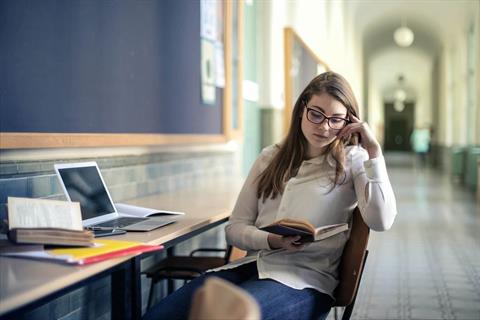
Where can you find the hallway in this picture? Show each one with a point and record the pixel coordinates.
(428, 265)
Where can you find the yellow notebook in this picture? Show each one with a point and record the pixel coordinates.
(104, 249)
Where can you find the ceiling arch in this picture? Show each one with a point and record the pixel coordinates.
(379, 36)
(434, 22)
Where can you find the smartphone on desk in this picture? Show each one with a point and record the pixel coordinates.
(109, 232)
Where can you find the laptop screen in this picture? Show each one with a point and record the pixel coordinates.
(84, 185)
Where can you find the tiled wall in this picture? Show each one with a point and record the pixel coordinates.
(127, 177)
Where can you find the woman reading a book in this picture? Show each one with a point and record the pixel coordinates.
(329, 163)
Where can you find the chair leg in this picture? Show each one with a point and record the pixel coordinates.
(170, 286)
(347, 313)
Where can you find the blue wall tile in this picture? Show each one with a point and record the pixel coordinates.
(15, 187)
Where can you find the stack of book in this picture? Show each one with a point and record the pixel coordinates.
(59, 223)
(49, 222)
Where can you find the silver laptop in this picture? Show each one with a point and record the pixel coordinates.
(83, 182)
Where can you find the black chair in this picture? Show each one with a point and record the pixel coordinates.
(352, 264)
(187, 267)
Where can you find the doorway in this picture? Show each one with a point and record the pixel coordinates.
(398, 126)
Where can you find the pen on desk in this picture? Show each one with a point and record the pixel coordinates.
(101, 228)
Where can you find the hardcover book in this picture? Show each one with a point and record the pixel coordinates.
(303, 228)
(51, 236)
(49, 222)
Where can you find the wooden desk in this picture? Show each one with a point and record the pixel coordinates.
(27, 284)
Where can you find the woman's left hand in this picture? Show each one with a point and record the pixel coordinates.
(368, 140)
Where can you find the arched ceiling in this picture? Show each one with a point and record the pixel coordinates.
(378, 36)
(434, 22)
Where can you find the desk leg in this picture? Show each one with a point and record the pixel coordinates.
(170, 283)
(126, 291)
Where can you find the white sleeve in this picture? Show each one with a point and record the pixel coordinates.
(241, 231)
(376, 200)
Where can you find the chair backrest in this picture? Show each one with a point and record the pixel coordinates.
(218, 299)
(351, 265)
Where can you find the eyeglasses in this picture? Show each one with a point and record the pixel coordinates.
(317, 117)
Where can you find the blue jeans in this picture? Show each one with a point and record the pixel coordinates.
(276, 300)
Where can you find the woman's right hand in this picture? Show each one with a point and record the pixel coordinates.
(288, 243)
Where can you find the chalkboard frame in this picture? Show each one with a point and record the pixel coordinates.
(292, 79)
(34, 140)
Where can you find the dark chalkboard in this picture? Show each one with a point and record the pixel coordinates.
(94, 66)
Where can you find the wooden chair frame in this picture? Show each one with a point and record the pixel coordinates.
(353, 261)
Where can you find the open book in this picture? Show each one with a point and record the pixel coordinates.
(303, 228)
(143, 211)
(46, 222)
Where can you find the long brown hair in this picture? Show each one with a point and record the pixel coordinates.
(293, 150)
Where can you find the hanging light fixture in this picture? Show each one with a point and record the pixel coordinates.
(403, 35)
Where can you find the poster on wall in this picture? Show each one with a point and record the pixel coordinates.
(208, 20)
(208, 72)
(212, 49)
(219, 65)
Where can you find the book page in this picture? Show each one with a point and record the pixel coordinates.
(142, 211)
(330, 230)
(41, 213)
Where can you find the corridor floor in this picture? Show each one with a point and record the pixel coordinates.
(428, 265)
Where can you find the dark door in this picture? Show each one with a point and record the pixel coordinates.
(398, 127)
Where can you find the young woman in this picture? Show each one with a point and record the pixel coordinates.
(329, 163)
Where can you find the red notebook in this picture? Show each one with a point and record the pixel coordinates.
(120, 253)
(103, 250)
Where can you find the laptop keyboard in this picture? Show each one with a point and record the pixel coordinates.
(120, 222)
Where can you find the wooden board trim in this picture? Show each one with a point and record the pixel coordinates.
(33, 140)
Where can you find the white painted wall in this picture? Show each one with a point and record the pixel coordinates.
(376, 111)
(444, 127)
(459, 93)
(328, 29)
(453, 101)
(274, 15)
